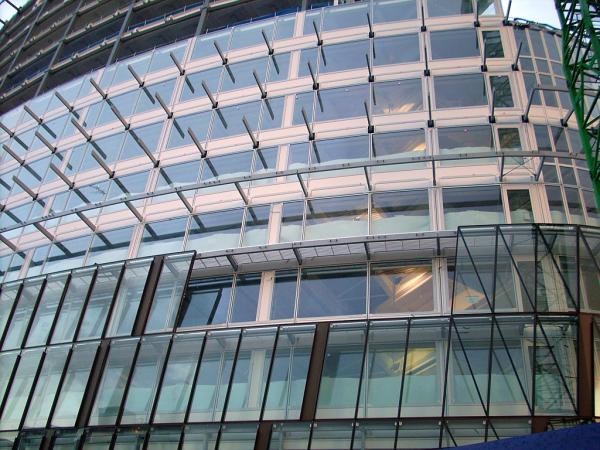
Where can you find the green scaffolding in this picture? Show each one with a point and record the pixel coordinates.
(580, 20)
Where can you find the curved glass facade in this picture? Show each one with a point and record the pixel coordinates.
(353, 226)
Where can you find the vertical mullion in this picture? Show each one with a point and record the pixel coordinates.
(148, 294)
(161, 379)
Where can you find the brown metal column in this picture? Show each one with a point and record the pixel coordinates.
(148, 296)
(315, 369)
(585, 367)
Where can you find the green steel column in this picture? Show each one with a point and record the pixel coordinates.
(581, 61)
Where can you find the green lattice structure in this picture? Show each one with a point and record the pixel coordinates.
(580, 20)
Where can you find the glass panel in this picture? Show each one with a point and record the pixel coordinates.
(555, 202)
(472, 206)
(237, 436)
(575, 205)
(418, 434)
(101, 298)
(227, 166)
(179, 135)
(22, 313)
(206, 302)
(110, 246)
(97, 440)
(200, 437)
(284, 294)
(30, 440)
(165, 236)
(504, 98)
(340, 380)
(380, 435)
(251, 374)
(164, 438)
(145, 379)
(112, 385)
(340, 103)
(456, 91)
(18, 393)
(291, 222)
(344, 288)
(46, 310)
(247, 290)
(177, 383)
(493, 44)
(395, 49)
(393, 97)
(192, 88)
(46, 387)
(214, 376)
(346, 56)
(215, 231)
(227, 121)
(422, 385)
(72, 305)
(129, 296)
(394, 10)
(288, 375)
(336, 217)
(240, 75)
(519, 204)
(67, 440)
(74, 384)
(293, 436)
(256, 226)
(168, 293)
(344, 17)
(400, 212)
(7, 363)
(130, 439)
(406, 288)
(383, 366)
(331, 435)
(437, 8)
(454, 44)
(8, 294)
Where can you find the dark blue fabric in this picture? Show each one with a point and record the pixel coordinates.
(582, 437)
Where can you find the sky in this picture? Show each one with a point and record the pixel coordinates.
(542, 11)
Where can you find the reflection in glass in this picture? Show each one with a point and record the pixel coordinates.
(8, 294)
(215, 231)
(108, 246)
(291, 222)
(200, 437)
(519, 204)
(22, 313)
(74, 384)
(400, 212)
(402, 289)
(245, 303)
(165, 236)
(336, 217)
(437, 8)
(460, 43)
(283, 298)
(206, 302)
(164, 438)
(456, 91)
(256, 225)
(472, 206)
(7, 363)
(394, 97)
(396, 49)
(46, 310)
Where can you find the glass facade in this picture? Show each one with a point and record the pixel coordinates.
(295, 225)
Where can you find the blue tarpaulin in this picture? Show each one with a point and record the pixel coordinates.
(582, 437)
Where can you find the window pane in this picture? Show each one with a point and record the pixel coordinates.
(239, 75)
(164, 438)
(467, 139)
(97, 440)
(381, 435)
(396, 49)
(167, 296)
(340, 103)
(503, 98)
(402, 289)
(493, 44)
(393, 97)
(165, 236)
(290, 435)
(382, 373)
(400, 212)
(213, 377)
(72, 305)
(454, 44)
(74, 384)
(22, 314)
(345, 16)
(289, 372)
(519, 203)
(179, 375)
(394, 10)
(336, 217)
(284, 294)
(19, 390)
(340, 379)
(344, 288)
(145, 378)
(215, 231)
(291, 222)
(200, 437)
(110, 246)
(46, 386)
(129, 297)
(555, 202)
(247, 289)
(250, 375)
(437, 8)
(46, 310)
(350, 55)
(227, 166)
(256, 226)
(472, 206)
(192, 87)
(455, 91)
(237, 436)
(100, 300)
(130, 439)
(206, 302)
(227, 121)
(7, 363)
(575, 205)
(112, 385)
(8, 294)
(179, 135)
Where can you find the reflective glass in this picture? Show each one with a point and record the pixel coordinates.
(555, 202)
(503, 92)
(74, 384)
(206, 302)
(493, 44)
(72, 305)
(240, 75)
(456, 91)
(178, 174)
(328, 434)
(519, 203)
(290, 435)
(237, 436)
(284, 294)
(177, 383)
(22, 313)
(46, 386)
(197, 122)
(192, 87)
(97, 440)
(400, 212)
(394, 10)
(101, 298)
(472, 206)
(205, 45)
(30, 440)
(340, 103)
(288, 374)
(454, 43)
(406, 288)
(346, 56)
(168, 293)
(8, 294)
(215, 231)
(247, 290)
(250, 34)
(16, 399)
(256, 226)
(394, 97)
(148, 100)
(227, 166)
(67, 440)
(128, 298)
(165, 236)
(130, 439)
(345, 17)
(228, 121)
(437, 8)
(67, 254)
(113, 381)
(200, 437)
(396, 49)
(344, 288)
(108, 246)
(380, 435)
(214, 376)
(144, 380)
(464, 140)
(164, 438)
(336, 217)
(340, 380)
(291, 222)
(7, 364)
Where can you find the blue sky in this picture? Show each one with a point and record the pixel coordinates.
(542, 11)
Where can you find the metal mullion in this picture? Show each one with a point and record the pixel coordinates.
(161, 378)
(578, 269)
(362, 372)
(269, 373)
(32, 389)
(230, 385)
(11, 314)
(147, 296)
(59, 387)
(59, 307)
(34, 311)
(100, 361)
(85, 304)
(128, 383)
(114, 300)
(187, 282)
